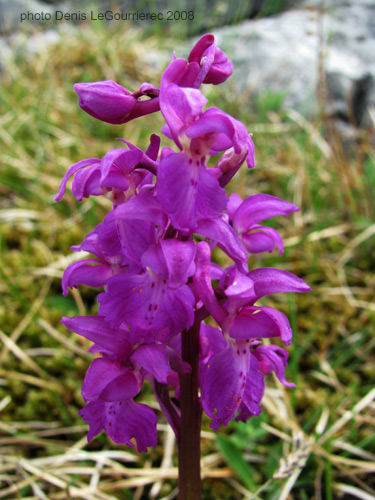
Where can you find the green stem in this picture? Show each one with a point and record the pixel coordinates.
(189, 479)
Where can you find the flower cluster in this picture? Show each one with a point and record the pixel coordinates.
(152, 253)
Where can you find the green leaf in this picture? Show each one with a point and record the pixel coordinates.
(235, 460)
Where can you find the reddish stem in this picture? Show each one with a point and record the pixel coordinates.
(191, 418)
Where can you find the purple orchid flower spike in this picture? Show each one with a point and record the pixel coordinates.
(154, 257)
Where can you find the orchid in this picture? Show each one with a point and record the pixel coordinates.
(153, 256)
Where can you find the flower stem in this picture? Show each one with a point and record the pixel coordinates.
(189, 480)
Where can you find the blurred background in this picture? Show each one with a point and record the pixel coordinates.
(303, 83)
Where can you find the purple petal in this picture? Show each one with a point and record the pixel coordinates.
(71, 171)
(240, 290)
(122, 421)
(141, 221)
(228, 132)
(259, 322)
(234, 203)
(116, 164)
(188, 191)
(153, 149)
(176, 186)
(110, 381)
(220, 70)
(108, 238)
(228, 165)
(202, 282)
(173, 260)
(268, 280)
(155, 359)
(86, 183)
(262, 239)
(95, 328)
(259, 207)
(224, 236)
(215, 66)
(254, 388)
(181, 106)
(94, 414)
(147, 305)
(79, 273)
(212, 341)
(179, 72)
(223, 383)
(203, 53)
(214, 121)
(273, 358)
(211, 197)
(105, 100)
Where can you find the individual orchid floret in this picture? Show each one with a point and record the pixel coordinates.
(110, 102)
(231, 378)
(228, 165)
(113, 380)
(222, 132)
(200, 133)
(273, 358)
(245, 216)
(215, 67)
(104, 243)
(186, 188)
(84, 273)
(119, 170)
(247, 321)
(243, 324)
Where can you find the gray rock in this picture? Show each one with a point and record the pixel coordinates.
(10, 13)
(286, 53)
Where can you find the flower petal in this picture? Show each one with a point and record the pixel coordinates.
(96, 329)
(259, 207)
(173, 260)
(108, 380)
(188, 191)
(122, 421)
(105, 100)
(268, 280)
(223, 384)
(224, 236)
(262, 239)
(79, 273)
(71, 171)
(273, 358)
(203, 285)
(259, 322)
(146, 303)
(254, 389)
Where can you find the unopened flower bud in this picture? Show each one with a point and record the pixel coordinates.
(215, 65)
(105, 100)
